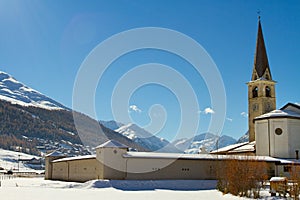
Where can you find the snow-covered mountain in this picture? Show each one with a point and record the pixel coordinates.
(113, 125)
(30, 119)
(16, 92)
(244, 138)
(146, 139)
(205, 142)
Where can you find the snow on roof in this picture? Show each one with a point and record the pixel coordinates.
(197, 156)
(75, 158)
(245, 148)
(279, 113)
(112, 144)
(288, 110)
(289, 161)
(175, 156)
(276, 179)
(55, 153)
(229, 147)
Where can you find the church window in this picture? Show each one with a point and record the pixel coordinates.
(268, 91)
(278, 131)
(255, 92)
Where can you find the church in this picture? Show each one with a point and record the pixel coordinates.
(274, 138)
(272, 132)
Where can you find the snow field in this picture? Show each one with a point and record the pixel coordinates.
(40, 189)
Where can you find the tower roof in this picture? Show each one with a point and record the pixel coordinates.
(55, 153)
(112, 144)
(261, 63)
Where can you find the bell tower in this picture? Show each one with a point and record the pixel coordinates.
(261, 88)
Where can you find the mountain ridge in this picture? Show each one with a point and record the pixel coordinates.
(204, 142)
(146, 139)
(16, 92)
(29, 119)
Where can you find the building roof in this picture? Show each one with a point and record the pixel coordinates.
(261, 63)
(291, 106)
(197, 156)
(249, 147)
(55, 153)
(175, 156)
(75, 158)
(290, 110)
(243, 147)
(228, 148)
(112, 144)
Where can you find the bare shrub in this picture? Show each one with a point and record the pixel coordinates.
(294, 181)
(242, 176)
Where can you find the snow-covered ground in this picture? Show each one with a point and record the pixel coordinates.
(9, 160)
(40, 189)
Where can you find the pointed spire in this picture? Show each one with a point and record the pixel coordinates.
(261, 63)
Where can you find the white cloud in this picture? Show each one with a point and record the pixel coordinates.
(134, 108)
(229, 119)
(244, 114)
(209, 111)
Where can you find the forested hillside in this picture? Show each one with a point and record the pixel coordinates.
(29, 127)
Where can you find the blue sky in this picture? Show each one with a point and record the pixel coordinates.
(43, 44)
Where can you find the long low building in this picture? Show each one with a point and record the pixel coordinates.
(114, 161)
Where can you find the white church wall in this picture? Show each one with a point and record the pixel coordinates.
(294, 138)
(262, 138)
(279, 142)
(277, 137)
(270, 143)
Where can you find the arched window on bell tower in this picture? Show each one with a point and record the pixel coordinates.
(268, 91)
(255, 92)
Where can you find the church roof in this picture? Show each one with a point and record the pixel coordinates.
(290, 110)
(291, 106)
(261, 63)
(244, 147)
(249, 147)
(112, 144)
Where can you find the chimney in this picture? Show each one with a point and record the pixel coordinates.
(297, 154)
